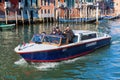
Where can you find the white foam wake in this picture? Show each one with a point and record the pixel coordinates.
(45, 66)
(21, 62)
(115, 42)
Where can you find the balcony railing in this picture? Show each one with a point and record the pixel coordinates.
(34, 5)
(62, 4)
(77, 5)
(7, 5)
(21, 5)
(90, 3)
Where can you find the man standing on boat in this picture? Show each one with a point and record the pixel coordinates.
(69, 34)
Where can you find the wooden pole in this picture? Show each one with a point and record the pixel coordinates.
(6, 17)
(97, 6)
(76, 15)
(28, 16)
(69, 13)
(16, 17)
(86, 13)
(22, 16)
(80, 15)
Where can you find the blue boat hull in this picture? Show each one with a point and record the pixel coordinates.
(64, 53)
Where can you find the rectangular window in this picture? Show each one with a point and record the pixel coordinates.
(19, 0)
(45, 2)
(26, 3)
(41, 2)
(6, 0)
(0, 1)
(45, 11)
(48, 2)
(20, 12)
(48, 11)
(54, 2)
(42, 11)
(36, 2)
(26, 12)
(31, 2)
(89, 36)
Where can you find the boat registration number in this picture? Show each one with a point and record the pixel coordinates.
(91, 44)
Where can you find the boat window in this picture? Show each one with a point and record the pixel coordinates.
(88, 36)
(52, 39)
(100, 34)
(37, 38)
(75, 39)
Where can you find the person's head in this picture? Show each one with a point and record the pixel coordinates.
(57, 29)
(54, 32)
(43, 33)
(67, 28)
(54, 29)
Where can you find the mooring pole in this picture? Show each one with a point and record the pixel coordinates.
(22, 16)
(16, 17)
(97, 6)
(28, 16)
(6, 17)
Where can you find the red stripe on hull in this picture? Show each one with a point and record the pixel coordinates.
(62, 59)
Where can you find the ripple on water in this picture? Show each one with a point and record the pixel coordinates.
(21, 62)
(115, 42)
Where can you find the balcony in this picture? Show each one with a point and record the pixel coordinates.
(90, 3)
(34, 5)
(77, 5)
(21, 5)
(63, 5)
(7, 5)
(59, 4)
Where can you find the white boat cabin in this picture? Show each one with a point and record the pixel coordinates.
(61, 40)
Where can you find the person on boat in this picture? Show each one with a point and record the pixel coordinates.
(43, 33)
(53, 32)
(58, 32)
(68, 33)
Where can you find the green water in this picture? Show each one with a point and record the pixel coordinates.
(103, 64)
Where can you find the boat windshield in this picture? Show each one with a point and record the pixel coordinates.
(37, 38)
(54, 39)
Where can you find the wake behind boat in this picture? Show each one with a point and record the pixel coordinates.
(52, 48)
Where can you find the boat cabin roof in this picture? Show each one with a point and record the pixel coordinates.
(83, 32)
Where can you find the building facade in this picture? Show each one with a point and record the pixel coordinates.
(10, 6)
(47, 8)
(76, 8)
(54, 9)
(116, 4)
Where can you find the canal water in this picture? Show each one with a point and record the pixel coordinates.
(102, 64)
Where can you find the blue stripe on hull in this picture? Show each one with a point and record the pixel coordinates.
(64, 54)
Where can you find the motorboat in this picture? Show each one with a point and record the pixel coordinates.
(54, 48)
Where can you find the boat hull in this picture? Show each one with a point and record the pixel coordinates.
(65, 53)
(7, 26)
